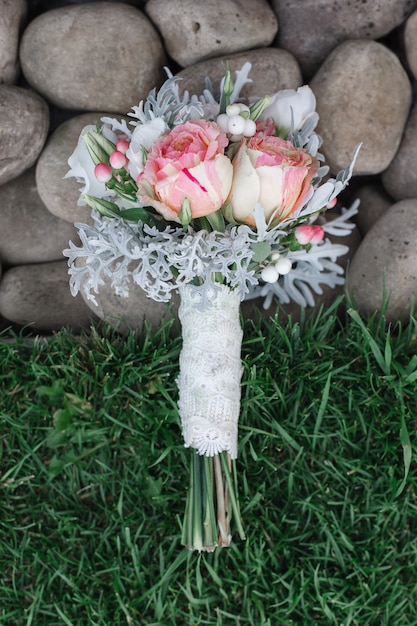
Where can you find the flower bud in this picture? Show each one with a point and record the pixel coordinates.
(122, 146)
(117, 160)
(332, 203)
(103, 172)
(228, 85)
(257, 108)
(308, 234)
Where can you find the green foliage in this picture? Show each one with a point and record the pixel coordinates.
(93, 481)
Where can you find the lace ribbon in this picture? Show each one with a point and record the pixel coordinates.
(210, 372)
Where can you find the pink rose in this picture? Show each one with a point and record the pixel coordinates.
(270, 171)
(308, 234)
(187, 163)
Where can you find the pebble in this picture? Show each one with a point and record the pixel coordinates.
(351, 89)
(400, 178)
(272, 69)
(131, 312)
(374, 201)
(11, 19)
(28, 232)
(38, 294)
(387, 256)
(60, 195)
(410, 43)
(195, 31)
(111, 52)
(24, 123)
(310, 30)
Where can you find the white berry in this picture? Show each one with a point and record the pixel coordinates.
(232, 109)
(283, 265)
(250, 128)
(236, 125)
(269, 274)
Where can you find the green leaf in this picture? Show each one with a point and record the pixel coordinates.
(322, 408)
(137, 214)
(216, 221)
(104, 207)
(261, 251)
(228, 213)
(63, 418)
(384, 364)
(54, 392)
(407, 453)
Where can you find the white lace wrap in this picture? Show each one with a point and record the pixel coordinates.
(210, 372)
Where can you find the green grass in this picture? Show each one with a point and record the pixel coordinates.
(94, 475)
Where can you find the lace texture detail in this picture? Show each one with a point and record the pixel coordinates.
(210, 371)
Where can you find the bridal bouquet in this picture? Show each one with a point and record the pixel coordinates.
(219, 199)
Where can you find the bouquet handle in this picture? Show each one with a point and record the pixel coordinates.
(209, 406)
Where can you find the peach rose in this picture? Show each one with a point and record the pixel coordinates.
(188, 163)
(270, 171)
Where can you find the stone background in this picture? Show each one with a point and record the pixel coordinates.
(63, 64)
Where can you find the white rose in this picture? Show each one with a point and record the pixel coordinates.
(290, 104)
(143, 137)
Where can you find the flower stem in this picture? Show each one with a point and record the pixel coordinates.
(211, 503)
(222, 513)
(228, 465)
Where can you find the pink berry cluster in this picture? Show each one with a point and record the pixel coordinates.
(114, 171)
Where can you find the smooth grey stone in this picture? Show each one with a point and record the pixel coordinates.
(24, 124)
(400, 178)
(272, 70)
(93, 57)
(132, 312)
(410, 43)
(386, 264)
(351, 89)
(12, 14)
(195, 31)
(374, 201)
(59, 194)
(39, 295)
(28, 231)
(311, 29)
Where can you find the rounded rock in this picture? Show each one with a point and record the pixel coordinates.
(92, 57)
(132, 312)
(351, 89)
(311, 29)
(272, 70)
(12, 14)
(386, 260)
(410, 43)
(194, 31)
(38, 295)
(28, 232)
(400, 180)
(24, 124)
(60, 195)
(374, 202)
